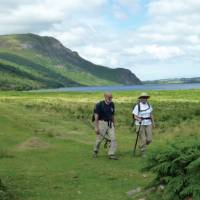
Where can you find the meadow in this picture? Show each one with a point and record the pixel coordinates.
(46, 142)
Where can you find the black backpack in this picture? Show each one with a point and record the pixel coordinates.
(102, 106)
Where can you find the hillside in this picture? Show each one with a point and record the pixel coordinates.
(29, 61)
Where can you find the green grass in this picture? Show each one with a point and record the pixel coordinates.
(46, 142)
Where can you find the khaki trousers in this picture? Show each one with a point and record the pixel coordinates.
(106, 132)
(145, 136)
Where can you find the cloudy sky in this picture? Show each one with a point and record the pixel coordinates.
(155, 39)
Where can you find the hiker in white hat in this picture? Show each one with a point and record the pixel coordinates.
(142, 113)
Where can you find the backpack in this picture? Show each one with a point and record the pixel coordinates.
(94, 109)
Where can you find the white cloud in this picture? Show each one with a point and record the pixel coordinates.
(24, 15)
(155, 51)
(177, 7)
(163, 52)
(40, 15)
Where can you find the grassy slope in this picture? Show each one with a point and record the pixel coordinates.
(65, 169)
(63, 54)
(45, 73)
(43, 59)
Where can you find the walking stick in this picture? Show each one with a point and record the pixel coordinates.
(138, 132)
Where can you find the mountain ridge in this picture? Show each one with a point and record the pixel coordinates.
(49, 61)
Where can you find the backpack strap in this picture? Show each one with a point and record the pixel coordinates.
(136, 104)
(145, 109)
(138, 107)
(100, 103)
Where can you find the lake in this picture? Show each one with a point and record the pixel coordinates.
(124, 88)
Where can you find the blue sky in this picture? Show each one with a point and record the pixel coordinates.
(155, 39)
(125, 17)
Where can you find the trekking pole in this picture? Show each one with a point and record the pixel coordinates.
(138, 132)
(106, 139)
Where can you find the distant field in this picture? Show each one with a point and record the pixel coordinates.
(46, 142)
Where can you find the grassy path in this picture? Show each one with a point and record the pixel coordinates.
(46, 144)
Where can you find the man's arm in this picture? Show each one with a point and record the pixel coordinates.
(96, 123)
(113, 120)
(152, 120)
(136, 114)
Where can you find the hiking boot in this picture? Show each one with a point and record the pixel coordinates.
(113, 157)
(148, 142)
(95, 154)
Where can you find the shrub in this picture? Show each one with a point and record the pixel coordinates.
(177, 167)
(4, 195)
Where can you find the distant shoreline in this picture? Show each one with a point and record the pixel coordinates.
(172, 86)
(174, 81)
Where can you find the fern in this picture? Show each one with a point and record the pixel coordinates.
(177, 166)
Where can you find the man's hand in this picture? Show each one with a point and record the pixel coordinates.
(97, 130)
(140, 120)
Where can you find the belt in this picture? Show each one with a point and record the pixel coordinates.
(143, 118)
